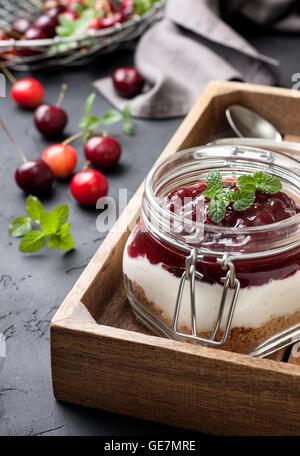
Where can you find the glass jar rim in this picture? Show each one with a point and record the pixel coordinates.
(226, 153)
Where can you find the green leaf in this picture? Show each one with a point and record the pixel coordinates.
(246, 181)
(19, 227)
(64, 230)
(243, 199)
(214, 181)
(268, 184)
(127, 111)
(32, 242)
(49, 223)
(128, 128)
(217, 210)
(62, 213)
(89, 104)
(66, 242)
(209, 194)
(111, 116)
(34, 207)
(54, 241)
(226, 194)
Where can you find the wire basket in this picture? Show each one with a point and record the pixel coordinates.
(66, 51)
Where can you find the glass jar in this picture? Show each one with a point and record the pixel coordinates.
(215, 285)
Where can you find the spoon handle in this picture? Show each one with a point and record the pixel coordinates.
(292, 148)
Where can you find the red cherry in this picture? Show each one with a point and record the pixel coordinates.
(88, 186)
(50, 120)
(62, 159)
(69, 2)
(102, 152)
(33, 33)
(128, 82)
(117, 18)
(55, 11)
(27, 92)
(34, 177)
(127, 7)
(47, 24)
(71, 15)
(20, 25)
(95, 24)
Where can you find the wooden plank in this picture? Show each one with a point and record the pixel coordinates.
(206, 390)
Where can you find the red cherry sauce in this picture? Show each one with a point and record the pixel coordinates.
(267, 209)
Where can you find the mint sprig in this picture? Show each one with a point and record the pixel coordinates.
(54, 227)
(91, 123)
(242, 199)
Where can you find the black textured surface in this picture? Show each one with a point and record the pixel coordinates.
(32, 287)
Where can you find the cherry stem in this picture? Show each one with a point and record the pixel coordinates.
(37, 4)
(16, 146)
(86, 165)
(72, 138)
(61, 96)
(107, 9)
(12, 33)
(8, 74)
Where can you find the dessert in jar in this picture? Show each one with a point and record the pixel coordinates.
(216, 256)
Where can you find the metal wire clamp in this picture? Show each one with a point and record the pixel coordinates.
(190, 274)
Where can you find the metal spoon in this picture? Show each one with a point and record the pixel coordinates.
(247, 124)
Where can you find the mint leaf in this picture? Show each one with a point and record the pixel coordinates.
(19, 227)
(128, 128)
(226, 194)
(246, 182)
(54, 241)
(49, 223)
(127, 112)
(34, 207)
(66, 242)
(64, 230)
(214, 181)
(243, 199)
(111, 116)
(209, 194)
(89, 104)
(216, 210)
(266, 183)
(62, 213)
(32, 242)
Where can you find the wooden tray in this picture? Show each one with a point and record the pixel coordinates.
(103, 358)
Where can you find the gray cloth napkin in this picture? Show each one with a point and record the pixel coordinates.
(192, 45)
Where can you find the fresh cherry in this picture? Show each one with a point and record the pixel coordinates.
(116, 18)
(71, 15)
(32, 33)
(34, 177)
(55, 11)
(102, 151)
(128, 82)
(62, 159)
(20, 25)
(47, 24)
(51, 120)
(95, 24)
(27, 92)
(88, 186)
(127, 7)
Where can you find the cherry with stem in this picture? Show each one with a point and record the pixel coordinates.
(32, 176)
(51, 120)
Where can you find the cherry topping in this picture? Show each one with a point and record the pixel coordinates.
(34, 177)
(128, 82)
(47, 24)
(88, 186)
(102, 152)
(20, 25)
(27, 92)
(62, 159)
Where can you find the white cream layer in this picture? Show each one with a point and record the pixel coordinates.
(255, 306)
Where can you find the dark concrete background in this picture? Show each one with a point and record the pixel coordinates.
(32, 287)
